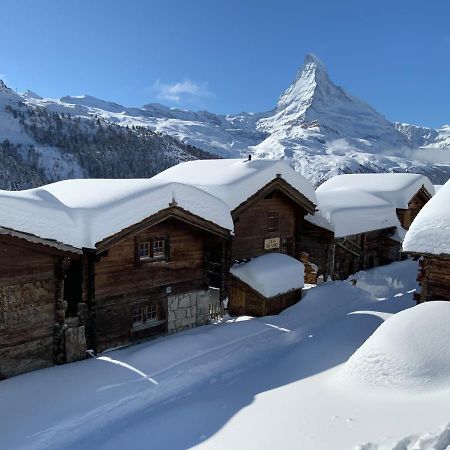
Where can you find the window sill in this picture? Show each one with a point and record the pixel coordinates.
(158, 258)
(146, 325)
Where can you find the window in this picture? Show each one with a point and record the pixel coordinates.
(152, 249)
(159, 250)
(272, 222)
(144, 250)
(145, 315)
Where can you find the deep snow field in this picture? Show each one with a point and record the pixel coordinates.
(279, 382)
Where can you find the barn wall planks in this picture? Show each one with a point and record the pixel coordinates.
(434, 279)
(27, 309)
(246, 301)
(251, 227)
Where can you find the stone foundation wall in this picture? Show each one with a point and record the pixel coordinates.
(190, 309)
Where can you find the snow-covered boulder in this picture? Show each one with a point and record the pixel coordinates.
(411, 350)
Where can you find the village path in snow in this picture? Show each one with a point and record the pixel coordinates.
(266, 383)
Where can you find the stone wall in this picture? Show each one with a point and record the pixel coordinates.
(190, 309)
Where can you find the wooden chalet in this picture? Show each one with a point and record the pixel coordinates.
(361, 221)
(153, 278)
(108, 262)
(428, 240)
(268, 202)
(266, 285)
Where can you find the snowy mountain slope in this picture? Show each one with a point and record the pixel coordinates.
(45, 140)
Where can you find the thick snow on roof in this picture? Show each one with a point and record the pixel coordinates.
(235, 180)
(409, 350)
(271, 274)
(395, 188)
(430, 231)
(81, 213)
(357, 203)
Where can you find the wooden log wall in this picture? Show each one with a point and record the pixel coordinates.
(317, 243)
(246, 301)
(251, 226)
(417, 202)
(434, 279)
(28, 290)
(121, 283)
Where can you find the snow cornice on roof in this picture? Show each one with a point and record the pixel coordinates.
(358, 203)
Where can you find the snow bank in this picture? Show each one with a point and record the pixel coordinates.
(235, 180)
(271, 274)
(356, 203)
(411, 350)
(430, 231)
(81, 213)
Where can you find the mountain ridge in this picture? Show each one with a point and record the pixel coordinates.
(316, 126)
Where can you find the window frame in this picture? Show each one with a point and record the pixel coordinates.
(150, 243)
(273, 216)
(148, 315)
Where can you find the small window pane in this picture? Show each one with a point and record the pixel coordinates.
(159, 248)
(144, 250)
(272, 222)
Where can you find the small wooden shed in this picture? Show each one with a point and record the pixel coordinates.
(266, 285)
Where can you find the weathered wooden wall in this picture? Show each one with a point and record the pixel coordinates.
(317, 242)
(246, 301)
(121, 284)
(251, 227)
(417, 202)
(434, 279)
(27, 308)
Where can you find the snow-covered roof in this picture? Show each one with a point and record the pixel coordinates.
(235, 180)
(357, 203)
(81, 213)
(271, 274)
(430, 230)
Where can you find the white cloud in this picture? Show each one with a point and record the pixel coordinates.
(185, 90)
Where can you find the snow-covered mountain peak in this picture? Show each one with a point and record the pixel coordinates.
(311, 75)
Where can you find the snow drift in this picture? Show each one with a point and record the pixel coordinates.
(411, 350)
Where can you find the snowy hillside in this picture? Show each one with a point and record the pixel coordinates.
(319, 128)
(43, 141)
(276, 382)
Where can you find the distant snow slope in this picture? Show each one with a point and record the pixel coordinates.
(319, 128)
(44, 140)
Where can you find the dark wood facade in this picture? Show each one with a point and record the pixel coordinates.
(246, 301)
(338, 258)
(33, 323)
(417, 202)
(433, 278)
(128, 286)
(272, 220)
(269, 221)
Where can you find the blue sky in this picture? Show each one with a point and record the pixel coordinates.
(230, 56)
